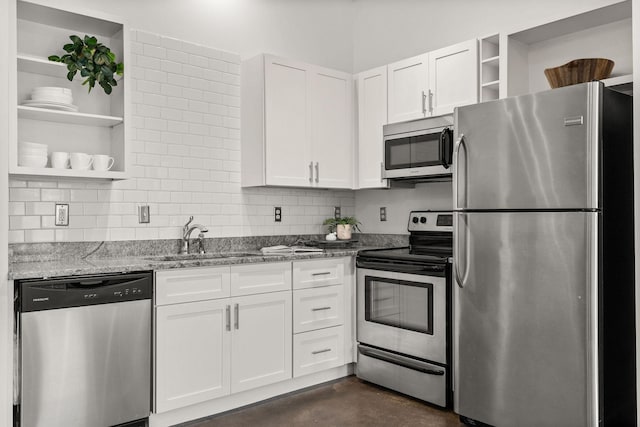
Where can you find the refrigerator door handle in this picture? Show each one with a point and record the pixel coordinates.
(456, 170)
(457, 259)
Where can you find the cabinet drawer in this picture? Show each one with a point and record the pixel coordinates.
(251, 279)
(318, 350)
(324, 272)
(318, 308)
(191, 284)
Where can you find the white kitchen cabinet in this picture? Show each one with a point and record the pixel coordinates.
(322, 314)
(372, 115)
(296, 124)
(433, 83)
(453, 77)
(101, 124)
(192, 353)
(331, 141)
(209, 344)
(261, 341)
(408, 88)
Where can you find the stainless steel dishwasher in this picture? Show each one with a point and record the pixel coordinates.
(84, 350)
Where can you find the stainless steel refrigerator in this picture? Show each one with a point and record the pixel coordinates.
(543, 260)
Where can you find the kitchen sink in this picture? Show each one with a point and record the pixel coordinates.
(196, 257)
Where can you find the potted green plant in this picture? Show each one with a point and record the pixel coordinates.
(343, 226)
(94, 60)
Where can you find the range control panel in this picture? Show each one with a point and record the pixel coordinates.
(430, 221)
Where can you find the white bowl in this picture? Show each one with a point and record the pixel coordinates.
(65, 99)
(37, 146)
(31, 151)
(32, 161)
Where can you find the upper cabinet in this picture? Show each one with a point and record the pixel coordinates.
(296, 124)
(600, 33)
(433, 83)
(372, 115)
(93, 123)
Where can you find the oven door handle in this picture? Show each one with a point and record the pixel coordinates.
(400, 268)
(405, 362)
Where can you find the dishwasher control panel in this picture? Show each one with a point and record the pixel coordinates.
(77, 291)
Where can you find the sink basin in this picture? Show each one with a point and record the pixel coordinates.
(196, 257)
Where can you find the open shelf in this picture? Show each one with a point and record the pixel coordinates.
(494, 84)
(492, 60)
(34, 113)
(67, 173)
(38, 65)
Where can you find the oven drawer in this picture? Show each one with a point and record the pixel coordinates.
(412, 377)
(314, 273)
(318, 350)
(317, 308)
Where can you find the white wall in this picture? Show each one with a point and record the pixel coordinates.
(386, 31)
(315, 31)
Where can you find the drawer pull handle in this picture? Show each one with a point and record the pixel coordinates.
(320, 308)
(321, 351)
(324, 273)
(228, 317)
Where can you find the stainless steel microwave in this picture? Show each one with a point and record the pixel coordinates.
(418, 149)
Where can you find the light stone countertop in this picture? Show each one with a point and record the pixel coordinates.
(98, 265)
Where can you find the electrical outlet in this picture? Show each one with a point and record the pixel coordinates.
(62, 214)
(336, 212)
(277, 214)
(383, 213)
(143, 214)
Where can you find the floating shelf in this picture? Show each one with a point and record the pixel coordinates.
(67, 173)
(493, 84)
(58, 116)
(38, 65)
(491, 60)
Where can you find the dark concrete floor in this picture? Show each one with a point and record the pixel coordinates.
(343, 403)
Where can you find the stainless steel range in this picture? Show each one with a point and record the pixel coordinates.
(404, 311)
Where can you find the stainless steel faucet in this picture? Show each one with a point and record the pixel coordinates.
(186, 233)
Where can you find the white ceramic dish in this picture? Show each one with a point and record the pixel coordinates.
(32, 161)
(51, 105)
(31, 151)
(51, 89)
(64, 99)
(36, 145)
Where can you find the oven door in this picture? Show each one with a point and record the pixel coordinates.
(404, 313)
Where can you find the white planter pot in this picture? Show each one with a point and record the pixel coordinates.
(344, 231)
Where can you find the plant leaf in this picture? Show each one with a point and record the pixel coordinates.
(106, 71)
(75, 39)
(54, 58)
(70, 75)
(68, 47)
(120, 68)
(90, 41)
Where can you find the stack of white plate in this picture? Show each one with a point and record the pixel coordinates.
(59, 98)
(32, 155)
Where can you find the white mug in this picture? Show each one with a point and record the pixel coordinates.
(60, 160)
(102, 162)
(81, 161)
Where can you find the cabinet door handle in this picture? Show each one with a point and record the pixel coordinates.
(324, 273)
(317, 172)
(310, 172)
(228, 317)
(381, 171)
(430, 101)
(236, 311)
(325, 350)
(424, 103)
(320, 308)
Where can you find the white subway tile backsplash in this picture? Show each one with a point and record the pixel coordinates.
(185, 161)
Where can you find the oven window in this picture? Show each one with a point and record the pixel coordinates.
(399, 303)
(425, 150)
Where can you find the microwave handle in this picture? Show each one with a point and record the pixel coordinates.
(446, 147)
